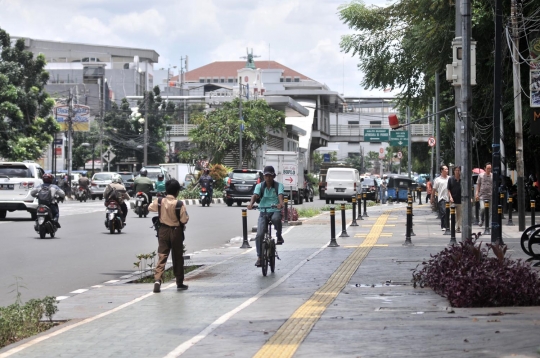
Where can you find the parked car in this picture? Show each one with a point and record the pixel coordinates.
(17, 179)
(341, 184)
(370, 188)
(99, 182)
(127, 179)
(240, 185)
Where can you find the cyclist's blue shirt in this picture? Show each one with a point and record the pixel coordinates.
(270, 196)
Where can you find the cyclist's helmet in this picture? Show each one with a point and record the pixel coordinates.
(117, 180)
(47, 178)
(160, 177)
(144, 172)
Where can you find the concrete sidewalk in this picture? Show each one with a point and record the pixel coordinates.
(355, 300)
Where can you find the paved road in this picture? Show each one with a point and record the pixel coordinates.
(84, 254)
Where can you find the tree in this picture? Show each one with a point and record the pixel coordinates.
(218, 131)
(26, 124)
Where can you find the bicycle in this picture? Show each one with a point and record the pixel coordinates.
(268, 245)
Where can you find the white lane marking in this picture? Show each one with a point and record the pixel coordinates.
(81, 290)
(182, 348)
(112, 281)
(60, 298)
(67, 328)
(97, 286)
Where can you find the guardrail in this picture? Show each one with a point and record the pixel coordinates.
(180, 129)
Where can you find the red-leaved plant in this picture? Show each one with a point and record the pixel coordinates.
(292, 213)
(468, 277)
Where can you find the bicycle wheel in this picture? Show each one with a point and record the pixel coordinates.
(272, 255)
(534, 244)
(525, 238)
(264, 257)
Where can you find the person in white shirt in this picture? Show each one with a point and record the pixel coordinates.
(441, 186)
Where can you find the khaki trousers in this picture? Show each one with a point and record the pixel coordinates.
(170, 239)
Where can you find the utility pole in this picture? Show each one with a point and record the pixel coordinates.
(466, 105)
(70, 137)
(432, 171)
(240, 117)
(458, 125)
(145, 144)
(101, 104)
(409, 145)
(437, 124)
(517, 111)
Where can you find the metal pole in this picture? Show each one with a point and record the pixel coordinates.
(487, 230)
(518, 125)
(365, 199)
(333, 242)
(437, 124)
(145, 149)
(245, 242)
(447, 218)
(70, 137)
(343, 222)
(466, 105)
(359, 200)
(533, 209)
(409, 145)
(240, 117)
(286, 202)
(408, 229)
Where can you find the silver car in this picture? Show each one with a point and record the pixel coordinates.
(99, 182)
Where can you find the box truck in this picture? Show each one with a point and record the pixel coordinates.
(183, 172)
(289, 167)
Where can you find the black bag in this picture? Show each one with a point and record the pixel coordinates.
(262, 187)
(45, 196)
(113, 195)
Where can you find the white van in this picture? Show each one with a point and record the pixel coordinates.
(341, 184)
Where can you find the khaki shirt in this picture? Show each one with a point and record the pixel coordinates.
(168, 212)
(120, 189)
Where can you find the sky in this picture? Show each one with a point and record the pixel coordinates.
(301, 34)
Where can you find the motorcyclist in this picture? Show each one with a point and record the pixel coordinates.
(117, 184)
(144, 184)
(206, 181)
(84, 182)
(56, 193)
(160, 183)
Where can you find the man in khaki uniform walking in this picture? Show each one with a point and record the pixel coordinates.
(172, 218)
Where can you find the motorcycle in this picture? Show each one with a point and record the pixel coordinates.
(309, 193)
(45, 222)
(141, 204)
(204, 195)
(113, 217)
(80, 194)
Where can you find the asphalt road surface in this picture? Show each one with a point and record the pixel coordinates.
(83, 253)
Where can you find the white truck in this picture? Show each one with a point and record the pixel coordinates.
(289, 167)
(183, 172)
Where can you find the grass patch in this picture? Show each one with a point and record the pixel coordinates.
(168, 275)
(308, 212)
(348, 206)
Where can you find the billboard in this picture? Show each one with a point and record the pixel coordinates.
(534, 72)
(80, 117)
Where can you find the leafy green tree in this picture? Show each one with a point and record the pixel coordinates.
(26, 124)
(218, 132)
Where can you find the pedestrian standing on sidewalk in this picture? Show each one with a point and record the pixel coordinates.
(383, 186)
(441, 186)
(484, 186)
(454, 194)
(173, 218)
(429, 189)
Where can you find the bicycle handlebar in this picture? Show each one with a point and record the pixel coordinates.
(273, 206)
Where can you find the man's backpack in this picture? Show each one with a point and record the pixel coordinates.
(263, 186)
(113, 195)
(156, 223)
(45, 196)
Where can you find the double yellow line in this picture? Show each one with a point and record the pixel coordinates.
(293, 332)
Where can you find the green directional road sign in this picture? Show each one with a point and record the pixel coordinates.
(376, 135)
(400, 138)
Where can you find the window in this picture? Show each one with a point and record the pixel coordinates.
(222, 80)
(281, 79)
(287, 79)
(216, 80)
(375, 124)
(297, 79)
(230, 80)
(208, 80)
(354, 122)
(201, 80)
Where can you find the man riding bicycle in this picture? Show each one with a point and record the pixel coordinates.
(270, 193)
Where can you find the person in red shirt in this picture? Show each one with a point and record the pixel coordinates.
(429, 189)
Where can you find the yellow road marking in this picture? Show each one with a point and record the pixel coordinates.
(362, 245)
(292, 333)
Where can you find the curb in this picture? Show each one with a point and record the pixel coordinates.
(198, 202)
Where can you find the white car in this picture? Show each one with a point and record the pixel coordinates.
(17, 179)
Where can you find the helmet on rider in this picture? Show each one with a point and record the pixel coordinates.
(160, 177)
(47, 178)
(206, 171)
(143, 172)
(117, 180)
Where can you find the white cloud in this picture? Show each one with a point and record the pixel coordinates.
(302, 34)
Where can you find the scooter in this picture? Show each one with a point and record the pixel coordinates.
(113, 217)
(204, 194)
(141, 204)
(45, 222)
(309, 193)
(80, 194)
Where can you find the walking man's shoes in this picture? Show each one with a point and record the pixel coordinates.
(181, 287)
(157, 287)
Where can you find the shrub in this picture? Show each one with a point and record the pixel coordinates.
(191, 192)
(292, 213)
(308, 212)
(467, 277)
(337, 207)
